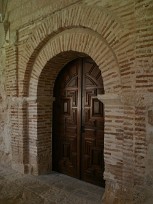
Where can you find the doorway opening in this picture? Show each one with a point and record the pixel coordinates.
(78, 122)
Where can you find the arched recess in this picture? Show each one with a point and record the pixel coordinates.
(58, 51)
(77, 16)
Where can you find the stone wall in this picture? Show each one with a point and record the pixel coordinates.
(5, 123)
(39, 37)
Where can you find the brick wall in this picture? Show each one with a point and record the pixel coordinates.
(118, 35)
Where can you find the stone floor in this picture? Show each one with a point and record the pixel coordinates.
(55, 188)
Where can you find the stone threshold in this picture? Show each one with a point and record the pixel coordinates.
(54, 188)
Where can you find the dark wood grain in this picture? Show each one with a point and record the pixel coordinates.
(78, 122)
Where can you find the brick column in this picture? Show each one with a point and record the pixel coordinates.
(113, 142)
(31, 140)
(40, 135)
(32, 166)
(19, 133)
(128, 146)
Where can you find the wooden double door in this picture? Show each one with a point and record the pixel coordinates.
(78, 122)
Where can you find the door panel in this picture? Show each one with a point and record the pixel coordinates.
(78, 128)
(93, 123)
(65, 124)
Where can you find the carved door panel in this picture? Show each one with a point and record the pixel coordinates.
(92, 125)
(66, 121)
(78, 122)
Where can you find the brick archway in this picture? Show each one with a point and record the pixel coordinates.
(84, 41)
(115, 37)
(111, 31)
(44, 55)
(58, 51)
